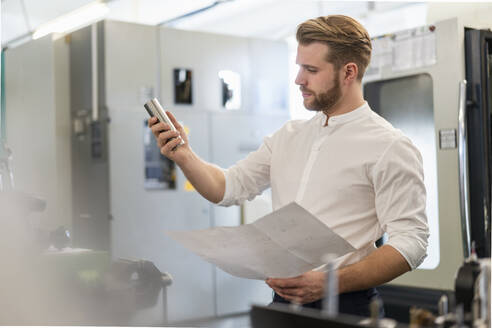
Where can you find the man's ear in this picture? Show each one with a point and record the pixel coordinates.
(350, 72)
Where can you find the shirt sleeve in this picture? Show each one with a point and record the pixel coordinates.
(400, 198)
(248, 177)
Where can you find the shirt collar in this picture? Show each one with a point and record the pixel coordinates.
(347, 117)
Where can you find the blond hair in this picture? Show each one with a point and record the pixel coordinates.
(347, 40)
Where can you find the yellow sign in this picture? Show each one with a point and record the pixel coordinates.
(188, 186)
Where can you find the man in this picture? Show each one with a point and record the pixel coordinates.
(347, 166)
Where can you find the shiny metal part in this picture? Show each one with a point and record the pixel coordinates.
(156, 108)
(330, 302)
(95, 76)
(443, 305)
(463, 170)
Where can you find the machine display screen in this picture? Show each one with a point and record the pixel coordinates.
(160, 172)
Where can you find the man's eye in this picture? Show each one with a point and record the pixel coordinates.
(312, 70)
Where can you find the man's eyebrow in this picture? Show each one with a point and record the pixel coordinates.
(308, 66)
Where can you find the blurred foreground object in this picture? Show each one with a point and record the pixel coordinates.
(6, 174)
(60, 238)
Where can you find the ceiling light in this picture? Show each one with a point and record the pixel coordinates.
(83, 16)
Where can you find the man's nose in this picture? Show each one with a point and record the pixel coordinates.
(300, 80)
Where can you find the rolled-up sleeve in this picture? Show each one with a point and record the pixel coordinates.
(248, 177)
(400, 199)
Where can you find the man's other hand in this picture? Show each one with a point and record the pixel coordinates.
(302, 289)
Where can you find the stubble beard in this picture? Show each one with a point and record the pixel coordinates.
(325, 101)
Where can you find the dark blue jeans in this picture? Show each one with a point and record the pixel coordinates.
(354, 303)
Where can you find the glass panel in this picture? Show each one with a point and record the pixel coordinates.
(231, 89)
(182, 86)
(408, 105)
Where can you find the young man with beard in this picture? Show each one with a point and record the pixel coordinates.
(347, 166)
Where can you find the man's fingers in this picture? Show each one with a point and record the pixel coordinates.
(170, 145)
(153, 120)
(302, 289)
(176, 124)
(291, 292)
(294, 299)
(166, 135)
(283, 295)
(284, 282)
(163, 133)
(158, 128)
(173, 119)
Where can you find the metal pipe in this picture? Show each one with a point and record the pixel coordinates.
(3, 110)
(95, 87)
(443, 306)
(330, 302)
(158, 66)
(463, 170)
(166, 280)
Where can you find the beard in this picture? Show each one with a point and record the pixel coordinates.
(326, 100)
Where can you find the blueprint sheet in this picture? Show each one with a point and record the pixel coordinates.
(284, 243)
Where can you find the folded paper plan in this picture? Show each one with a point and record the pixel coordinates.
(284, 243)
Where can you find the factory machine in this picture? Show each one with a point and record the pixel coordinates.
(470, 309)
(95, 161)
(435, 84)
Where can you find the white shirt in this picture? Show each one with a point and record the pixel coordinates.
(358, 175)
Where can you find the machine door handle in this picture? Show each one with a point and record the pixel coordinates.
(463, 170)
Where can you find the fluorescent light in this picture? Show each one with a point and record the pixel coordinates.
(81, 17)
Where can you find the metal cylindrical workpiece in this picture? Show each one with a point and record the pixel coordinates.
(330, 302)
